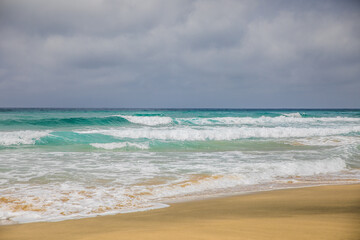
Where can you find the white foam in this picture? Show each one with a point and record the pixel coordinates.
(21, 137)
(222, 133)
(74, 199)
(147, 120)
(119, 145)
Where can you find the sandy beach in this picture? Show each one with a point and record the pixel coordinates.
(326, 212)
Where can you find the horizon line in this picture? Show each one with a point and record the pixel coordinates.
(184, 108)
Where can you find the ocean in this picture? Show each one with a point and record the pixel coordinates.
(58, 164)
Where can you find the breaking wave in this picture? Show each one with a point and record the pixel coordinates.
(228, 133)
(21, 137)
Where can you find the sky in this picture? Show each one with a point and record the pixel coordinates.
(180, 53)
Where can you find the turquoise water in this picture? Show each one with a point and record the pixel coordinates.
(60, 164)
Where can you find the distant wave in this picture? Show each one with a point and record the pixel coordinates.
(286, 118)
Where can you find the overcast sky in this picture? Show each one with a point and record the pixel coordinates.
(162, 53)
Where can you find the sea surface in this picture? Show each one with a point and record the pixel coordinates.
(58, 164)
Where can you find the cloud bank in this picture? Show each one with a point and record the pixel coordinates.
(159, 53)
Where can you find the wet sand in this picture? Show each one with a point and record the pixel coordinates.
(326, 212)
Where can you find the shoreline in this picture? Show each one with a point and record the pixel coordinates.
(191, 198)
(320, 212)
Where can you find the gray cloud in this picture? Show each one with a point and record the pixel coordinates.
(179, 53)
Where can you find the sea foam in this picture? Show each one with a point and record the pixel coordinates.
(72, 199)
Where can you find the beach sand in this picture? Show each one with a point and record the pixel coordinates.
(326, 212)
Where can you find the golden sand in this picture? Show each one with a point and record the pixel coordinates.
(327, 212)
